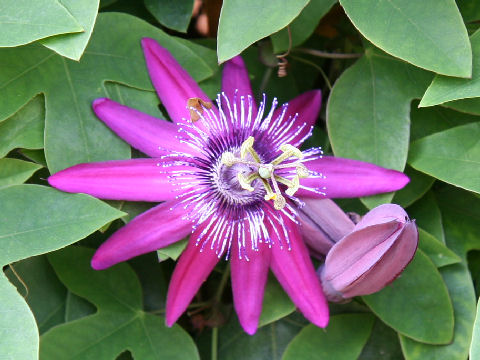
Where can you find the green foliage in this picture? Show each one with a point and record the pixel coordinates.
(405, 96)
(344, 340)
(452, 156)
(25, 21)
(240, 20)
(410, 31)
(119, 321)
(428, 314)
(22, 224)
(174, 15)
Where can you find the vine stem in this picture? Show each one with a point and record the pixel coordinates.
(214, 343)
(223, 283)
(328, 55)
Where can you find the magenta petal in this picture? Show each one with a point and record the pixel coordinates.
(390, 265)
(248, 284)
(173, 83)
(295, 272)
(372, 255)
(351, 178)
(134, 180)
(191, 271)
(144, 132)
(307, 106)
(235, 77)
(150, 231)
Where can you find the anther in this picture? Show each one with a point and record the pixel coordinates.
(228, 158)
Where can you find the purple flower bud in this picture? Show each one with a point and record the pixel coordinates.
(323, 224)
(370, 257)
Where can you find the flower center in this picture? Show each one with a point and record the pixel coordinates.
(267, 173)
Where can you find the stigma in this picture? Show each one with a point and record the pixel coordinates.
(268, 173)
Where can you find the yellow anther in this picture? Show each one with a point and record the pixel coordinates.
(288, 151)
(287, 148)
(197, 104)
(293, 188)
(246, 181)
(279, 202)
(246, 146)
(228, 158)
(302, 171)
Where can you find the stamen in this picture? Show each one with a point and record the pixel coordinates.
(266, 172)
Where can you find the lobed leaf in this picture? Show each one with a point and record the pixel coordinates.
(409, 30)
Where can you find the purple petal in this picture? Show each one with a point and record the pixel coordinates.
(356, 253)
(144, 132)
(235, 77)
(248, 284)
(307, 105)
(350, 178)
(150, 231)
(379, 248)
(381, 214)
(323, 224)
(390, 265)
(173, 83)
(134, 180)
(294, 270)
(191, 271)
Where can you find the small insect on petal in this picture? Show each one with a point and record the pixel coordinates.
(197, 104)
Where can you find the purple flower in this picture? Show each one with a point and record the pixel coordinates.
(371, 255)
(231, 175)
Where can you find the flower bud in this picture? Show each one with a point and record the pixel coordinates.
(370, 257)
(323, 224)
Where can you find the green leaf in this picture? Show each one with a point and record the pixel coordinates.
(470, 9)
(276, 303)
(444, 88)
(343, 339)
(417, 303)
(37, 156)
(73, 134)
(73, 45)
(469, 106)
(244, 22)
(427, 121)
(120, 320)
(303, 26)
(25, 128)
(452, 156)
(427, 214)
(172, 14)
(172, 251)
(368, 111)
(45, 294)
(475, 346)
(18, 330)
(15, 171)
(24, 21)
(409, 30)
(415, 189)
(436, 250)
(269, 342)
(22, 225)
(383, 344)
(461, 218)
(460, 287)
(143, 100)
